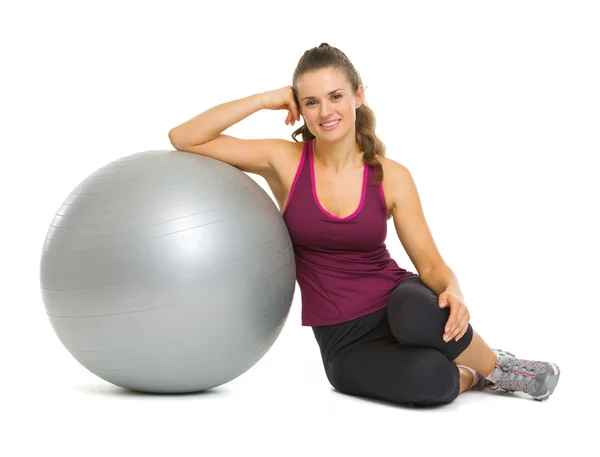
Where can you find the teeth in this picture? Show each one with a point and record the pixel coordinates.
(329, 124)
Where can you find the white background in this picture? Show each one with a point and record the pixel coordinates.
(493, 106)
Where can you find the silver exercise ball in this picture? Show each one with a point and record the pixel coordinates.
(168, 272)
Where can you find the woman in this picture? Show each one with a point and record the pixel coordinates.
(384, 332)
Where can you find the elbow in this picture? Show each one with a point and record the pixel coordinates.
(175, 141)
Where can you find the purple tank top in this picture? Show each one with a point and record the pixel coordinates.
(343, 267)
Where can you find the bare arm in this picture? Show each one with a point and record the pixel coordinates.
(409, 220)
(202, 134)
(208, 125)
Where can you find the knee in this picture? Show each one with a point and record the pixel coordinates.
(438, 380)
(413, 311)
(429, 379)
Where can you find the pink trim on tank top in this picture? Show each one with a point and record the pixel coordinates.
(298, 172)
(314, 189)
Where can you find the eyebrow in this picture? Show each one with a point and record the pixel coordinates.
(330, 93)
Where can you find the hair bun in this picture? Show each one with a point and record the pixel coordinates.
(322, 45)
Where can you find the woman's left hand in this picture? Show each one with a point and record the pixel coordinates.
(458, 322)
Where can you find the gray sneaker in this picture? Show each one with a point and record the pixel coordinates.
(537, 379)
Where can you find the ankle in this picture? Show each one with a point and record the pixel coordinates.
(475, 378)
(489, 376)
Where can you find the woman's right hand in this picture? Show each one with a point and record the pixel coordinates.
(279, 99)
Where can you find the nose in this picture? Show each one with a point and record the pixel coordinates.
(325, 110)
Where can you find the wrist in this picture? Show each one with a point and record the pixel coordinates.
(454, 290)
(258, 100)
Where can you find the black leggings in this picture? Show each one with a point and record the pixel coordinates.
(396, 354)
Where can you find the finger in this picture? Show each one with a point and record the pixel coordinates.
(447, 333)
(456, 332)
(462, 333)
(295, 110)
(449, 325)
(443, 302)
(288, 118)
(459, 318)
(451, 320)
(464, 326)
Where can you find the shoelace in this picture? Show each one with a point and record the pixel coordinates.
(521, 375)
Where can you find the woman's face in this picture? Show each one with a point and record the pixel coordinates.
(327, 103)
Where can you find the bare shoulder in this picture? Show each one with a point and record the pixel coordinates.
(285, 159)
(284, 151)
(392, 166)
(398, 182)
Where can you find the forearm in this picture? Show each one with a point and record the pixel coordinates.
(211, 123)
(441, 279)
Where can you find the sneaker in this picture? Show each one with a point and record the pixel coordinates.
(537, 379)
(502, 353)
(484, 383)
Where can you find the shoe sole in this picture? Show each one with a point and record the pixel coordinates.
(549, 383)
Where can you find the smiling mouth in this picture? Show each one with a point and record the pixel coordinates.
(330, 124)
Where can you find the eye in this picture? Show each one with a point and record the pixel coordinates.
(337, 96)
(308, 103)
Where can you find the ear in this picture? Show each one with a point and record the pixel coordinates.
(360, 96)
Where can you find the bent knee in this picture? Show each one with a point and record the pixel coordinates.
(427, 379)
(438, 380)
(413, 313)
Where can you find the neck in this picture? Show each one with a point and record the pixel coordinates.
(337, 156)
